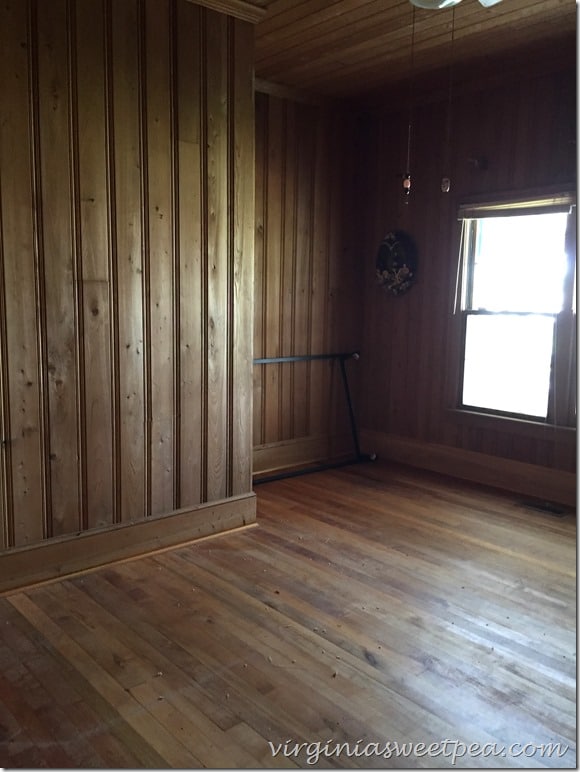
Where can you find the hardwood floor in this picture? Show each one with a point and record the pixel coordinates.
(371, 604)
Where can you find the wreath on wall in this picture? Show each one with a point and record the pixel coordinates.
(396, 264)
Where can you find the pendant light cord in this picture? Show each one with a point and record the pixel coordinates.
(447, 152)
(411, 92)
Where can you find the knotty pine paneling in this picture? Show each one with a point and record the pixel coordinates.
(307, 282)
(126, 210)
(23, 326)
(525, 130)
(96, 362)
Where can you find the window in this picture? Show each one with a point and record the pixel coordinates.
(518, 309)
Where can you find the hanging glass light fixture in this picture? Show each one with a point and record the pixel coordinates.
(436, 5)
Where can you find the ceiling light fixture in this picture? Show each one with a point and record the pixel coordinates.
(436, 5)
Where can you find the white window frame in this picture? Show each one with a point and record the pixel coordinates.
(562, 389)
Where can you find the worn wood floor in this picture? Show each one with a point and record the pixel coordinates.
(371, 605)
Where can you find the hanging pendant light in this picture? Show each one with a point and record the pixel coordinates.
(436, 5)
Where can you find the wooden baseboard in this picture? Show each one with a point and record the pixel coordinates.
(291, 454)
(528, 479)
(61, 557)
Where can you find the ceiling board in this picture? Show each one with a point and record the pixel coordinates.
(346, 48)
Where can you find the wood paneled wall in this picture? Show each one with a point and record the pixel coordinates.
(307, 283)
(526, 133)
(126, 215)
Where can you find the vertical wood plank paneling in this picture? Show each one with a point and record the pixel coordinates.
(6, 510)
(59, 274)
(525, 123)
(145, 201)
(526, 149)
(159, 253)
(336, 276)
(260, 247)
(506, 130)
(404, 351)
(564, 132)
(128, 236)
(319, 333)
(383, 190)
(112, 257)
(273, 264)
(78, 284)
(39, 265)
(344, 236)
(303, 270)
(6, 522)
(242, 120)
(286, 308)
(95, 253)
(344, 315)
(218, 254)
(433, 295)
(190, 275)
(175, 245)
(425, 171)
(23, 446)
(308, 279)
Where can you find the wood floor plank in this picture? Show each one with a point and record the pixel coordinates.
(22, 694)
(372, 604)
(99, 724)
(388, 662)
(150, 730)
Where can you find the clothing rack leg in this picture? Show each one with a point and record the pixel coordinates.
(359, 457)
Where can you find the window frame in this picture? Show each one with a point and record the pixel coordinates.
(561, 412)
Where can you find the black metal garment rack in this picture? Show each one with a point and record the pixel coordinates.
(358, 456)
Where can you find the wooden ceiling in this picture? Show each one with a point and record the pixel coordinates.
(346, 48)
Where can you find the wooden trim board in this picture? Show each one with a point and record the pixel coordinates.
(288, 454)
(68, 555)
(237, 8)
(531, 480)
(281, 91)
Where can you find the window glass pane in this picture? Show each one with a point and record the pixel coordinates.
(520, 263)
(507, 363)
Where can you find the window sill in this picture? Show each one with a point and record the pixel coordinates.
(511, 425)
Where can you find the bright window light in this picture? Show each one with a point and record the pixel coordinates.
(516, 271)
(520, 263)
(507, 363)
